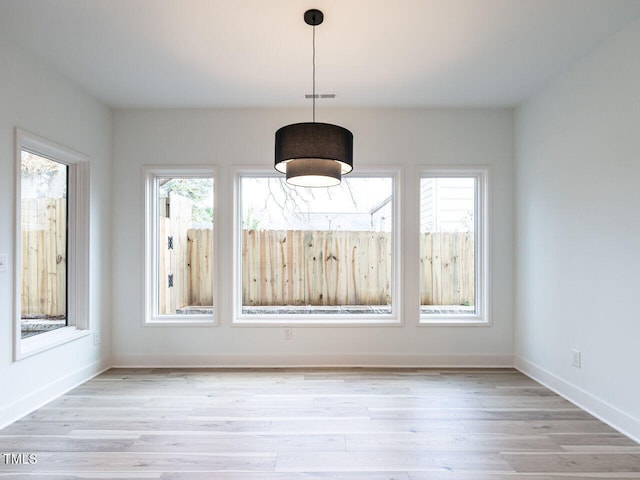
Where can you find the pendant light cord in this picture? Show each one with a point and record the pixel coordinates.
(313, 96)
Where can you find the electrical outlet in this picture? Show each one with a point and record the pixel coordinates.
(4, 260)
(96, 338)
(576, 358)
(288, 333)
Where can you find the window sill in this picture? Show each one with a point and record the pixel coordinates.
(453, 321)
(316, 320)
(45, 341)
(181, 321)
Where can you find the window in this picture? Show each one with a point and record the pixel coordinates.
(179, 260)
(453, 246)
(317, 255)
(52, 244)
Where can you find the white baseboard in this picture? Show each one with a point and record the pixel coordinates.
(609, 414)
(53, 390)
(310, 361)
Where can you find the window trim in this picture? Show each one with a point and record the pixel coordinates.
(319, 320)
(151, 318)
(482, 316)
(78, 322)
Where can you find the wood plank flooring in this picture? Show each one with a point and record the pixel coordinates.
(351, 424)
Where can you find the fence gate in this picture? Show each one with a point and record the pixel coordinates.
(173, 285)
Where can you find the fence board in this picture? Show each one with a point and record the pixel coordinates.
(61, 259)
(436, 270)
(200, 266)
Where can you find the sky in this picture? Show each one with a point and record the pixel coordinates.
(269, 202)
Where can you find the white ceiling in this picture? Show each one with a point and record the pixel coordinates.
(255, 53)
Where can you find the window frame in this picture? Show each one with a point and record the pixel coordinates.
(151, 316)
(78, 321)
(318, 320)
(482, 315)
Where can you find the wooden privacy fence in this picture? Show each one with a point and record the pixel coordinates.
(296, 267)
(315, 268)
(447, 269)
(350, 268)
(44, 257)
(279, 267)
(189, 263)
(185, 258)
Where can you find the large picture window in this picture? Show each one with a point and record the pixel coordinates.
(52, 248)
(317, 255)
(453, 258)
(179, 245)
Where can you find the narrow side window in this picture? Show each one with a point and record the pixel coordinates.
(453, 263)
(179, 246)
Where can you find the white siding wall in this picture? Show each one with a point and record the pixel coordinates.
(446, 205)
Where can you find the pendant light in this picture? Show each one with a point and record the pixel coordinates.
(313, 154)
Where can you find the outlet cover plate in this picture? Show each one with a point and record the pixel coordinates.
(576, 358)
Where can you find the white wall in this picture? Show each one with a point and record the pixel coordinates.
(578, 232)
(407, 138)
(41, 102)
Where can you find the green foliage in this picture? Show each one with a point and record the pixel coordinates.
(250, 222)
(196, 189)
(202, 214)
(42, 178)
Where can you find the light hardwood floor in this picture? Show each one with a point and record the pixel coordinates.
(351, 424)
